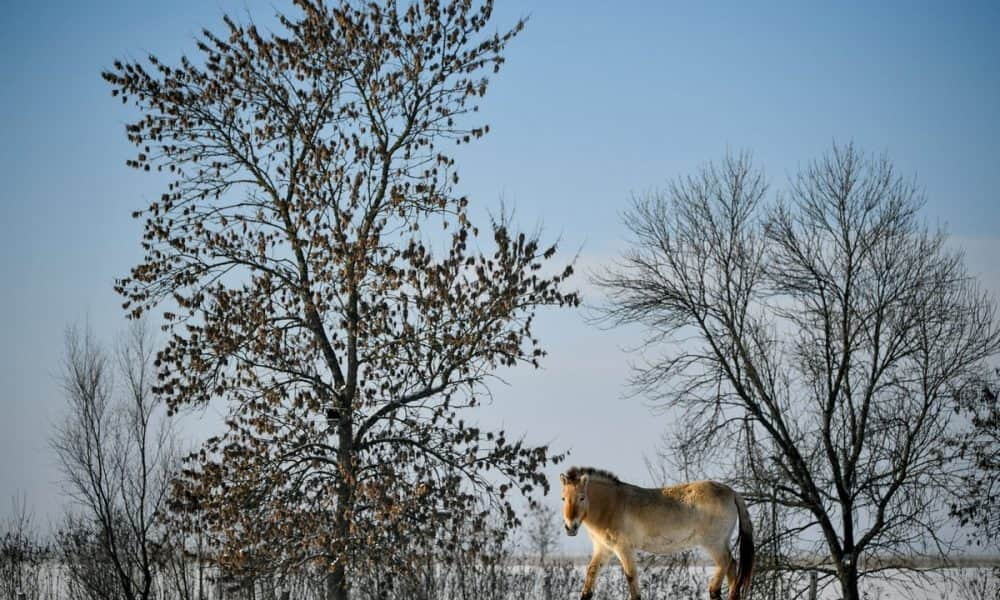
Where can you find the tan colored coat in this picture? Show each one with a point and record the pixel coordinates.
(622, 519)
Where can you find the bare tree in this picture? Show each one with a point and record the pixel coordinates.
(306, 165)
(117, 454)
(823, 335)
(542, 530)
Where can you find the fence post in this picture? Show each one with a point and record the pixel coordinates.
(812, 585)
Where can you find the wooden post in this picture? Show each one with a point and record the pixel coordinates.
(812, 585)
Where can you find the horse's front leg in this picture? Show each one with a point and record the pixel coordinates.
(598, 560)
(627, 557)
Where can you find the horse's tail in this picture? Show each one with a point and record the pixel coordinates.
(744, 541)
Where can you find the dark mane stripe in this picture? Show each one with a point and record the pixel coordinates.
(574, 474)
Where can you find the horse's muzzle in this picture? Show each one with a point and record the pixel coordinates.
(571, 530)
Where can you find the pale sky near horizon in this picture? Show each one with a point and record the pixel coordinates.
(598, 100)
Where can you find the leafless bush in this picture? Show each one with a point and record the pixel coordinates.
(542, 531)
(677, 578)
(185, 560)
(978, 584)
(976, 502)
(84, 557)
(22, 556)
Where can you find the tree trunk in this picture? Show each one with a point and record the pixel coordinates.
(848, 576)
(336, 580)
(336, 583)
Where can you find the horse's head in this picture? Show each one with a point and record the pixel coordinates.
(575, 503)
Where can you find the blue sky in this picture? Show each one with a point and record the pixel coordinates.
(598, 100)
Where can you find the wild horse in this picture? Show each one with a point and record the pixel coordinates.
(622, 518)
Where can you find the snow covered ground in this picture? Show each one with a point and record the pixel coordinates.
(563, 579)
(978, 583)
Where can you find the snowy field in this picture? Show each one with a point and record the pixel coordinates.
(968, 583)
(943, 584)
(559, 579)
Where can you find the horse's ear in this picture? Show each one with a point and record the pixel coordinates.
(583, 481)
(563, 479)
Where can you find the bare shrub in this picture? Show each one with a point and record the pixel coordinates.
(978, 584)
(23, 556)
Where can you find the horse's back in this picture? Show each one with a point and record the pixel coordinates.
(705, 493)
(677, 517)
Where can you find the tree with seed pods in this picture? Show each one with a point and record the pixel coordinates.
(290, 256)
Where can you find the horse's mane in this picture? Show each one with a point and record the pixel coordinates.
(574, 474)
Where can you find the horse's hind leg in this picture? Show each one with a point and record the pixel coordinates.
(725, 568)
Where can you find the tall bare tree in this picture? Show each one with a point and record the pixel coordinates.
(117, 453)
(306, 165)
(823, 335)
